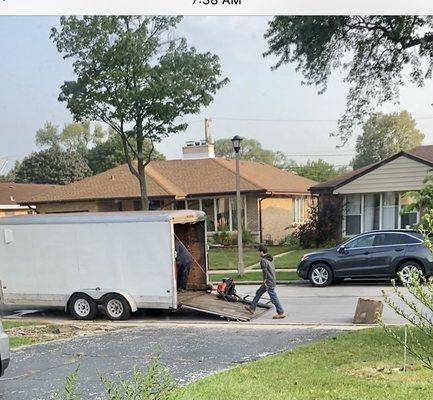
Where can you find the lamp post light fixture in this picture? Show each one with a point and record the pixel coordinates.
(237, 141)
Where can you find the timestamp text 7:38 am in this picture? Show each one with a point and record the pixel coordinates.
(217, 2)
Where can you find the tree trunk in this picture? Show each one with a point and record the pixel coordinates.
(141, 174)
(142, 181)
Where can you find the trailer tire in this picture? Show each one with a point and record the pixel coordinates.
(81, 306)
(116, 307)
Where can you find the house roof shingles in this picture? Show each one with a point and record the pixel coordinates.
(421, 153)
(178, 179)
(11, 193)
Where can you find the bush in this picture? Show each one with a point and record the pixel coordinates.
(247, 237)
(290, 241)
(223, 238)
(418, 301)
(226, 238)
(322, 226)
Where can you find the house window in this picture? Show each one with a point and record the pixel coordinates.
(390, 210)
(208, 206)
(193, 205)
(155, 205)
(180, 205)
(407, 220)
(220, 212)
(234, 208)
(377, 211)
(371, 212)
(353, 215)
(223, 214)
(299, 210)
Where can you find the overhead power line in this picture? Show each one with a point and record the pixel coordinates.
(285, 120)
(320, 155)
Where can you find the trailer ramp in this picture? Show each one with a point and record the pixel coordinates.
(210, 304)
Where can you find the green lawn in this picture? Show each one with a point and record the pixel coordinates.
(228, 258)
(359, 365)
(291, 260)
(253, 276)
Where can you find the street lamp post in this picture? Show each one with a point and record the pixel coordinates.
(237, 140)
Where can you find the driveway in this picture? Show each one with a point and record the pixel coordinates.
(190, 352)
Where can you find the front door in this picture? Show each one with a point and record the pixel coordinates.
(355, 260)
(387, 247)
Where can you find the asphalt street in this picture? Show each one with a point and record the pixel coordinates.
(190, 352)
(330, 306)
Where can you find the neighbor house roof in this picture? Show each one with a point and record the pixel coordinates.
(179, 179)
(12, 193)
(423, 154)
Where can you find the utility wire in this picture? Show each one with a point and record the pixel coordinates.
(284, 120)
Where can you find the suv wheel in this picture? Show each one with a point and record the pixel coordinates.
(405, 269)
(320, 275)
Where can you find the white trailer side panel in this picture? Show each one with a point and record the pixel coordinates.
(43, 264)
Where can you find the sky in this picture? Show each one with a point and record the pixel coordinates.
(257, 103)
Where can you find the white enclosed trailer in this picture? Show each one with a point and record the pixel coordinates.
(120, 261)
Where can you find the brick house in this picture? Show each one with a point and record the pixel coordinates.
(11, 193)
(274, 200)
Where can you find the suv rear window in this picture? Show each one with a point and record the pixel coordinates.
(390, 239)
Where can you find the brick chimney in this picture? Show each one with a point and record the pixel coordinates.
(195, 150)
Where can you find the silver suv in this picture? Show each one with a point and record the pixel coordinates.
(4, 350)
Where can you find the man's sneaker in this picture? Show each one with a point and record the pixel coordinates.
(249, 309)
(279, 316)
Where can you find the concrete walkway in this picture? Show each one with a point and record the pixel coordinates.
(257, 265)
(247, 271)
(253, 267)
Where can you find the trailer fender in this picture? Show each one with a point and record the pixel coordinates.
(99, 294)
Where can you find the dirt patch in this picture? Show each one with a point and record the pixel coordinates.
(388, 372)
(47, 332)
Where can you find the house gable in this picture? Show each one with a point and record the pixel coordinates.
(401, 174)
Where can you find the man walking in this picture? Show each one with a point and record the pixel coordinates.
(269, 283)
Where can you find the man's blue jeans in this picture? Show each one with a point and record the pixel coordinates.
(272, 294)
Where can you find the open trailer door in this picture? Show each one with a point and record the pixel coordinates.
(210, 304)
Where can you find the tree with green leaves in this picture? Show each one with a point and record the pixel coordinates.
(319, 170)
(48, 135)
(75, 136)
(109, 154)
(10, 175)
(384, 135)
(53, 166)
(376, 53)
(251, 150)
(132, 75)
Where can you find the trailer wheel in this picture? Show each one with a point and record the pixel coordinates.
(116, 307)
(81, 306)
